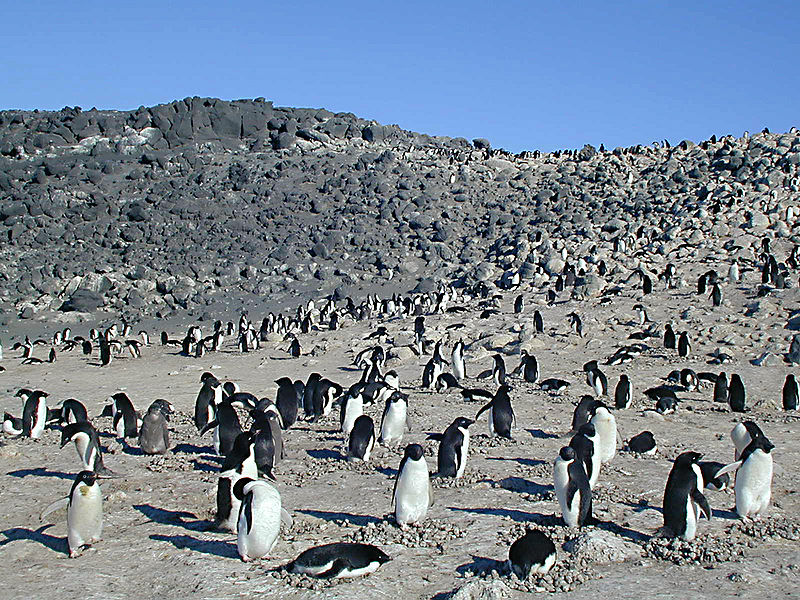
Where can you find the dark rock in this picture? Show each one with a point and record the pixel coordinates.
(83, 301)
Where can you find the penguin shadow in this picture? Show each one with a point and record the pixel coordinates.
(212, 547)
(523, 486)
(204, 467)
(482, 564)
(56, 544)
(528, 462)
(541, 435)
(323, 454)
(513, 514)
(619, 530)
(178, 518)
(40, 472)
(388, 471)
(132, 450)
(360, 520)
(349, 369)
(189, 449)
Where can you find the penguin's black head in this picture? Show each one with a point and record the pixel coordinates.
(238, 488)
(161, 405)
(762, 443)
(688, 458)
(463, 422)
(206, 376)
(381, 556)
(567, 454)
(86, 477)
(587, 429)
(414, 451)
(753, 429)
(590, 366)
(283, 381)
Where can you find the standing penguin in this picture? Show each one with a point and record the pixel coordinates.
(753, 486)
(287, 401)
(125, 417)
(361, 440)
(736, 394)
(259, 518)
(226, 427)
(395, 419)
(209, 396)
(457, 361)
(623, 393)
(241, 462)
(530, 367)
(105, 352)
(84, 512)
(790, 393)
(716, 295)
(538, 322)
(413, 494)
(501, 414)
(453, 448)
(309, 391)
(154, 432)
(87, 445)
(351, 408)
(534, 553)
(741, 436)
(585, 444)
(606, 426)
(597, 380)
(669, 337)
(683, 499)
(34, 412)
(572, 488)
(499, 370)
(266, 451)
(721, 388)
(683, 345)
(519, 304)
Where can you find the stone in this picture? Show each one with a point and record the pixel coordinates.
(83, 301)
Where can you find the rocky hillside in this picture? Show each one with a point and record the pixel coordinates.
(203, 201)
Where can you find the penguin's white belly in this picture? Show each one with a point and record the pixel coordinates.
(754, 485)
(394, 424)
(350, 415)
(411, 496)
(560, 481)
(458, 368)
(464, 452)
(41, 417)
(691, 519)
(216, 440)
(266, 525)
(491, 421)
(595, 462)
(607, 439)
(84, 517)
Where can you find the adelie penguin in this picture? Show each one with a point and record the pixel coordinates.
(84, 512)
(338, 560)
(721, 388)
(753, 485)
(413, 493)
(538, 322)
(623, 393)
(572, 488)
(737, 398)
(683, 500)
(606, 426)
(529, 366)
(669, 337)
(260, 517)
(453, 448)
(499, 370)
(741, 436)
(395, 419)
(125, 417)
(519, 304)
(643, 443)
(154, 432)
(533, 553)
(585, 444)
(87, 445)
(287, 401)
(34, 412)
(501, 414)
(226, 427)
(683, 345)
(790, 393)
(457, 361)
(361, 440)
(241, 462)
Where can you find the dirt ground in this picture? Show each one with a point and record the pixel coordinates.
(155, 539)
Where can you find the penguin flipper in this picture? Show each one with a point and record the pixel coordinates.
(484, 409)
(286, 518)
(436, 436)
(701, 501)
(210, 425)
(339, 565)
(58, 504)
(728, 469)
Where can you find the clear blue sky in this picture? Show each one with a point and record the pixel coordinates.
(525, 75)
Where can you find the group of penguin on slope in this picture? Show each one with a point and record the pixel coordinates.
(250, 506)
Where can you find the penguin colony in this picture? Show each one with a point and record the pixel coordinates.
(250, 425)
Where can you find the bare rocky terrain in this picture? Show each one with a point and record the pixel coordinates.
(196, 210)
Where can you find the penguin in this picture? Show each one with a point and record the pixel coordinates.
(125, 418)
(260, 518)
(643, 443)
(683, 345)
(240, 462)
(361, 440)
(431, 373)
(585, 444)
(606, 426)
(294, 348)
(721, 388)
(530, 367)
(287, 401)
(623, 393)
(683, 500)
(12, 425)
(519, 304)
(501, 414)
(87, 445)
(34, 412)
(226, 427)
(395, 419)
(338, 560)
(554, 385)
(669, 337)
(533, 553)
(753, 487)
(742, 434)
(105, 352)
(716, 295)
(351, 408)
(709, 469)
(457, 361)
(72, 411)
(446, 381)
(598, 381)
(737, 398)
(413, 494)
(538, 323)
(309, 391)
(476, 394)
(84, 512)
(154, 432)
(572, 488)
(576, 324)
(453, 448)
(790, 393)
(325, 394)
(266, 452)
(582, 412)
(499, 370)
